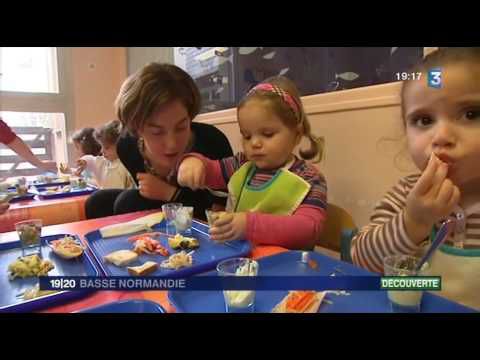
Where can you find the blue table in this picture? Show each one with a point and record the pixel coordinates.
(289, 264)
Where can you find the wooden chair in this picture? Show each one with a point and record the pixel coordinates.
(338, 232)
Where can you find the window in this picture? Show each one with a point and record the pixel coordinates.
(29, 69)
(225, 74)
(35, 104)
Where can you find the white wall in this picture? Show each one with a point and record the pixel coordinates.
(139, 56)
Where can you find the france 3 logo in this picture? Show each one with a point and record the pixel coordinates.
(435, 78)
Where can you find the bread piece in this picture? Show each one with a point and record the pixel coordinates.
(142, 270)
(121, 257)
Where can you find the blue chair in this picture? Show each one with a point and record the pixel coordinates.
(346, 244)
(339, 231)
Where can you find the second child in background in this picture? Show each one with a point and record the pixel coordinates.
(276, 197)
(107, 170)
(85, 144)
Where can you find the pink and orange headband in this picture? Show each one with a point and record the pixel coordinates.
(286, 97)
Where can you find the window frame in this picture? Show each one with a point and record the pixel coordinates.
(61, 102)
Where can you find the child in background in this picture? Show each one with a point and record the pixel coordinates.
(85, 144)
(442, 126)
(276, 198)
(107, 171)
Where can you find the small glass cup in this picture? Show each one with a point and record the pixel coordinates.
(74, 182)
(82, 183)
(170, 210)
(22, 190)
(238, 301)
(30, 232)
(213, 216)
(403, 265)
(183, 220)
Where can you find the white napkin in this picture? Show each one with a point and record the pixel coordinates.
(143, 223)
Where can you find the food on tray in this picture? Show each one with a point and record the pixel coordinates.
(67, 248)
(142, 270)
(183, 242)
(51, 190)
(28, 266)
(35, 292)
(300, 302)
(151, 234)
(178, 260)
(147, 245)
(66, 189)
(121, 257)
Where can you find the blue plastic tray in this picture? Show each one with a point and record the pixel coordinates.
(288, 263)
(205, 258)
(127, 306)
(28, 196)
(9, 302)
(56, 182)
(41, 191)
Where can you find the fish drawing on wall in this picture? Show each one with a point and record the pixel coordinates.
(393, 49)
(283, 71)
(270, 55)
(248, 50)
(348, 76)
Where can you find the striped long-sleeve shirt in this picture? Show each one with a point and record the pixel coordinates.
(386, 234)
(297, 231)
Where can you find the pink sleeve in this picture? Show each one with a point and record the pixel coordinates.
(6, 133)
(214, 178)
(298, 231)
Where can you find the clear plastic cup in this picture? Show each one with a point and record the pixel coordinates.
(183, 220)
(29, 233)
(22, 190)
(403, 301)
(169, 211)
(213, 215)
(238, 301)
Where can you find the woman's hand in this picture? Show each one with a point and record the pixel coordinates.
(230, 226)
(151, 187)
(191, 173)
(432, 198)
